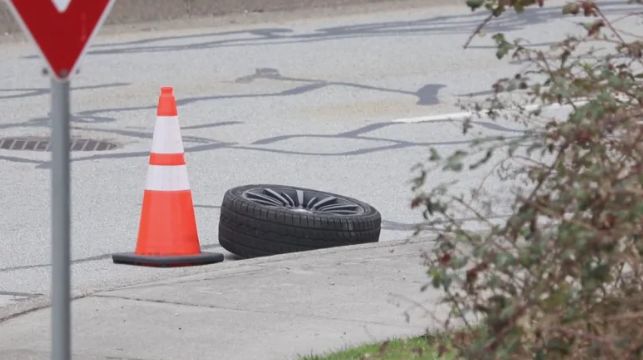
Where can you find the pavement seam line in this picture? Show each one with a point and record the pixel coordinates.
(174, 281)
(37, 307)
(212, 307)
(205, 278)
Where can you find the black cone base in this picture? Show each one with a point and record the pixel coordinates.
(203, 258)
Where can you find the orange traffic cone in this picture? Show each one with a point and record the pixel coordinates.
(167, 233)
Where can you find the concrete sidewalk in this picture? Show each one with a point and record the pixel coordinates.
(277, 307)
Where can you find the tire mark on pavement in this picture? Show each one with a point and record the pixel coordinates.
(436, 25)
(16, 159)
(29, 92)
(427, 95)
(19, 294)
(357, 134)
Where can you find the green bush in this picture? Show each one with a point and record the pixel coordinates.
(562, 276)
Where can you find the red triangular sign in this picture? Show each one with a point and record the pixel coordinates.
(61, 36)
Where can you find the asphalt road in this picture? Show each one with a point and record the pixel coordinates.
(304, 102)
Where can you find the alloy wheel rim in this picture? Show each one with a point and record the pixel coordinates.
(302, 201)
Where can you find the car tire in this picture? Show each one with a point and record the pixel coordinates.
(261, 220)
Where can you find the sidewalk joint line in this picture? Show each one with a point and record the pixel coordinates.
(213, 307)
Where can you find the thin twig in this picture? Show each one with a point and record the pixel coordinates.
(609, 24)
(478, 29)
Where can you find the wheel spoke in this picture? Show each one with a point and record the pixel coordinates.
(264, 198)
(300, 198)
(323, 201)
(334, 207)
(290, 200)
(276, 195)
(296, 200)
(267, 203)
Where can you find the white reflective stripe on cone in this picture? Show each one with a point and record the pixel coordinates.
(167, 136)
(167, 178)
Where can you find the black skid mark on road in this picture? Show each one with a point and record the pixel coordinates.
(437, 25)
(22, 93)
(95, 116)
(427, 95)
(359, 134)
(30, 92)
(260, 73)
(356, 134)
(203, 144)
(304, 88)
(16, 159)
(145, 135)
(20, 294)
(193, 36)
(214, 124)
(34, 123)
(134, 154)
(395, 145)
(44, 122)
(80, 117)
(365, 129)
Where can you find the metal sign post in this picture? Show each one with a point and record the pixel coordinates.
(60, 221)
(61, 30)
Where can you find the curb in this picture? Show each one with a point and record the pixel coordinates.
(228, 267)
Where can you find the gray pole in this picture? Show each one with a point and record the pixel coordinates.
(60, 223)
